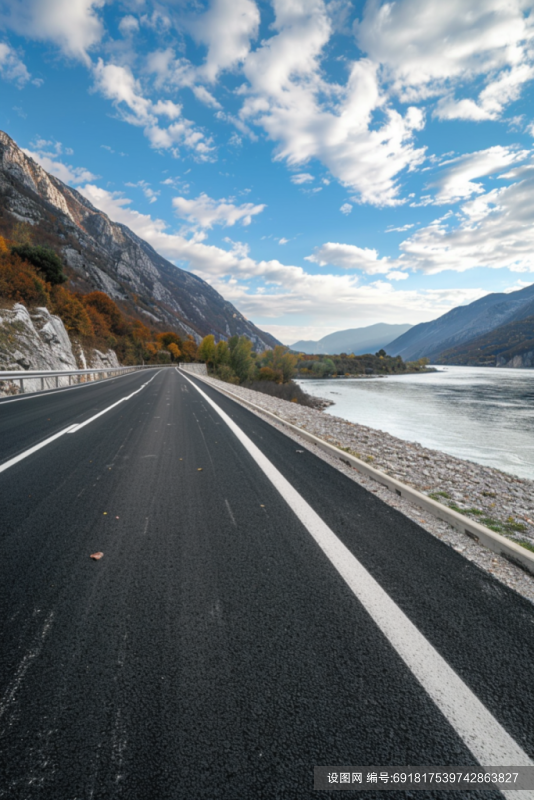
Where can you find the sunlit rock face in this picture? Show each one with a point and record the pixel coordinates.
(107, 256)
(38, 340)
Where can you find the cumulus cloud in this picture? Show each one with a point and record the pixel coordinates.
(206, 212)
(310, 118)
(346, 208)
(457, 180)
(64, 172)
(129, 25)
(73, 25)
(495, 229)
(325, 299)
(118, 84)
(12, 67)
(349, 256)
(226, 29)
(428, 48)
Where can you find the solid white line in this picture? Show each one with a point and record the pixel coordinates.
(70, 429)
(487, 740)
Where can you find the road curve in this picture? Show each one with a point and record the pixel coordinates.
(215, 651)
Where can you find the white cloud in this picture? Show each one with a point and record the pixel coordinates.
(226, 29)
(283, 240)
(396, 275)
(336, 124)
(495, 229)
(129, 25)
(401, 229)
(349, 256)
(150, 194)
(302, 177)
(206, 212)
(428, 48)
(118, 84)
(346, 208)
(325, 299)
(64, 172)
(457, 181)
(74, 25)
(12, 67)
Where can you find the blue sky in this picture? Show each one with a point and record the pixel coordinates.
(322, 165)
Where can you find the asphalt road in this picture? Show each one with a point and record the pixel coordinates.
(214, 651)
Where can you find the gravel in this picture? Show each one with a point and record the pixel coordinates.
(502, 501)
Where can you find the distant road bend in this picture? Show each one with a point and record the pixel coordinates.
(255, 612)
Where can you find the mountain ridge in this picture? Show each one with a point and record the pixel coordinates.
(108, 256)
(462, 324)
(352, 340)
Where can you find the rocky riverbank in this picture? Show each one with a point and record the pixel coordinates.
(500, 501)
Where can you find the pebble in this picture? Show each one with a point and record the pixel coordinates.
(502, 498)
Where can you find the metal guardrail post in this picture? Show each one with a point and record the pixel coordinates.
(22, 385)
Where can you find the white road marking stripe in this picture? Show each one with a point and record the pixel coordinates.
(70, 429)
(487, 740)
(48, 392)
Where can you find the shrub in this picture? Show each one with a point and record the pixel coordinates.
(44, 259)
(71, 311)
(20, 283)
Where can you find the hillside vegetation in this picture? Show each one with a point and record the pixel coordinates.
(497, 348)
(34, 275)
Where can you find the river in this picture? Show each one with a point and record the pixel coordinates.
(482, 414)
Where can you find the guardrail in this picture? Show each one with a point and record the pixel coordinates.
(506, 548)
(41, 380)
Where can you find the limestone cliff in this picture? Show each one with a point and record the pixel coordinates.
(37, 340)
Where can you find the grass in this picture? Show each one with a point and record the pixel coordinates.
(526, 545)
(507, 528)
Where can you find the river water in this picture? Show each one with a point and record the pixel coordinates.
(482, 414)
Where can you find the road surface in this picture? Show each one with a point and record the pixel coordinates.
(217, 649)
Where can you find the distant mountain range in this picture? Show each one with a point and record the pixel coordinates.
(354, 340)
(483, 324)
(105, 255)
(510, 345)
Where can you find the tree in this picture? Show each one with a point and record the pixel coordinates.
(282, 361)
(189, 349)
(169, 337)
(44, 259)
(207, 350)
(241, 360)
(174, 350)
(109, 311)
(381, 353)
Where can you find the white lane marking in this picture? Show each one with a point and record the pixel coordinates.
(482, 733)
(75, 428)
(70, 429)
(49, 392)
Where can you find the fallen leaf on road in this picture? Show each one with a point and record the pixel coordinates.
(199, 469)
(105, 512)
(117, 517)
(96, 556)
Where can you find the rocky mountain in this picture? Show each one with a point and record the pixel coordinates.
(463, 324)
(37, 339)
(510, 345)
(353, 340)
(107, 256)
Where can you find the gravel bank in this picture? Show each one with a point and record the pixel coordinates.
(491, 497)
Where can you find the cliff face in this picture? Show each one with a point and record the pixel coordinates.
(38, 340)
(107, 256)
